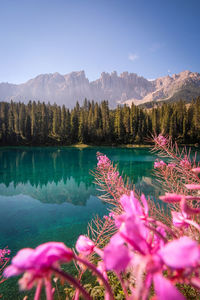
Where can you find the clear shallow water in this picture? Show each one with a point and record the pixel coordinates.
(48, 194)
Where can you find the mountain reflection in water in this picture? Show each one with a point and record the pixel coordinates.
(57, 175)
(48, 193)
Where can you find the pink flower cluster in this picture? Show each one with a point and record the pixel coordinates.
(185, 162)
(171, 165)
(159, 164)
(4, 259)
(141, 246)
(161, 140)
(37, 264)
(183, 218)
(3, 255)
(103, 161)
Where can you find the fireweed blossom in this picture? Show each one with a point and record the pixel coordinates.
(85, 246)
(171, 165)
(185, 162)
(4, 259)
(39, 261)
(161, 140)
(159, 164)
(140, 245)
(183, 218)
(179, 219)
(4, 255)
(36, 264)
(103, 161)
(39, 264)
(134, 247)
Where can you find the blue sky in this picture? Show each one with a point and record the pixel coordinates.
(152, 38)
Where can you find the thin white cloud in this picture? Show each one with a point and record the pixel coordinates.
(133, 56)
(156, 46)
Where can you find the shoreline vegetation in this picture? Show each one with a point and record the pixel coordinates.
(83, 146)
(95, 124)
(126, 146)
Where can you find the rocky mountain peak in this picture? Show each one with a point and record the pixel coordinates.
(124, 88)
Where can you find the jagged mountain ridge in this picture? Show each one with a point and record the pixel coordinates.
(125, 88)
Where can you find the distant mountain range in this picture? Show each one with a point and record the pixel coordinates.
(125, 88)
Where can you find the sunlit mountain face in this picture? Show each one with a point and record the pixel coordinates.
(117, 89)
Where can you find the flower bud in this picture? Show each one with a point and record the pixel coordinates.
(84, 245)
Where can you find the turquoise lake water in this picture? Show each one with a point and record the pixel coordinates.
(47, 194)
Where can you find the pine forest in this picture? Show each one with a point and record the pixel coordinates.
(96, 124)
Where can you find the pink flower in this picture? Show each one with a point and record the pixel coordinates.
(181, 253)
(135, 234)
(152, 252)
(112, 176)
(185, 162)
(84, 245)
(171, 165)
(150, 255)
(103, 161)
(38, 262)
(193, 186)
(161, 140)
(3, 253)
(179, 219)
(20, 263)
(111, 215)
(116, 255)
(132, 206)
(159, 164)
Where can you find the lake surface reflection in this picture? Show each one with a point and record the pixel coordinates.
(48, 193)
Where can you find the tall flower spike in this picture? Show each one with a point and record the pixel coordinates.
(103, 161)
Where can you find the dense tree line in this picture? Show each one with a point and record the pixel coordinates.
(93, 123)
